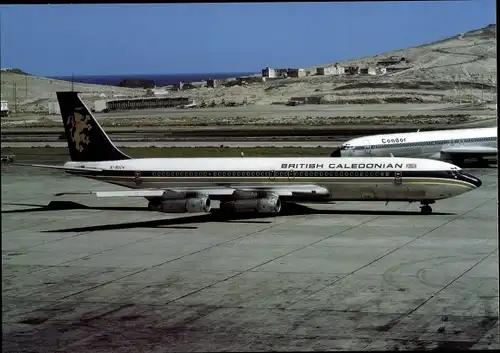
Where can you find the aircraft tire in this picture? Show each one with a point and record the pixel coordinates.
(426, 209)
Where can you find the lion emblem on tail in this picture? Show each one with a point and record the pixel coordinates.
(78, 123)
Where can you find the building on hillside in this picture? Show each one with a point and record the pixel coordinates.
(368, 71)
(213, 83)
(352, 70)
(397, 68)
(54, 108)
(269, 73)
(381, 70)
(330, 70)
(296, 72)
(179, 86)
(392, 60)
(159, 92)
(324, 71)
(140, 103)
(282, 73)
(4, 108)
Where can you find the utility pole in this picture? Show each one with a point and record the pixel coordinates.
(72, 82)
(15, 97)
(26, 91)
(482, 88)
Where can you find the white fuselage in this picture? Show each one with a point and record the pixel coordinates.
(428, 144)
(395, 179)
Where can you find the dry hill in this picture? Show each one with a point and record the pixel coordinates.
(457, 69)
(33, 93)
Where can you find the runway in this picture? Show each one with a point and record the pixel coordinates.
(277, 111)
(187, 144)
(113, 277)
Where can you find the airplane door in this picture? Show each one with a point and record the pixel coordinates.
(272, 175)
(452, 142)
(398, 178)
(291, 175)
(137, 178)
(367, 147)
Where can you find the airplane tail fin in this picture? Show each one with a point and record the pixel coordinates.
(87, 141)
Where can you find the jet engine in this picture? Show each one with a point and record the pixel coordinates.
(271, 204)
(200, 204)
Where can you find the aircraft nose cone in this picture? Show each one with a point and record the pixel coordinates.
(472, 179)
(475, 181)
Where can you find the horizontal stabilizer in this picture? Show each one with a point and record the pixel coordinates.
(60, 167)
(73, 193)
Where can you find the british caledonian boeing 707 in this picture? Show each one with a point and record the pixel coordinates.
(249, 184)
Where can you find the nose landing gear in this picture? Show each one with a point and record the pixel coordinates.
(425, 208)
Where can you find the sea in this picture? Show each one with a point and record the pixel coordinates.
(159, 79)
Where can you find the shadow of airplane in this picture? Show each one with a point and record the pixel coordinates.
(216, 216)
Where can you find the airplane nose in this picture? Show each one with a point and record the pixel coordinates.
(472, 179)
(477, 182)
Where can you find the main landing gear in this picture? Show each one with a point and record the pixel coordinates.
(425, 208)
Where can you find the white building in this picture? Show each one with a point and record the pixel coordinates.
(54, 108)
(5, 108)
(100, 105)
(368, 71)
(159, 92)
(330, 70)
(269, 73)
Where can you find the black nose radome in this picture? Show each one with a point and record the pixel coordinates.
(471, 179)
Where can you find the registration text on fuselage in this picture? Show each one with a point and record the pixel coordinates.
(342, 166)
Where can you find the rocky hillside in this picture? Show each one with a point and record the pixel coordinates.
(33, 93)
(461, 68)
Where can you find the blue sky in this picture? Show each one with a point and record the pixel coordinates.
(198, 38)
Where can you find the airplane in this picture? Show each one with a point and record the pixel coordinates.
(255, 184)
(449, 145)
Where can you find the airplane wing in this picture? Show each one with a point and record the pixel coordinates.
(216, 193)
(469, 151)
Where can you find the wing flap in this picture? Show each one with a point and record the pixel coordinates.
(215, 193)
(132, 193)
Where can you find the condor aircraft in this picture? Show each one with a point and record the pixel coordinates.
(249, 184)
(452, 145)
